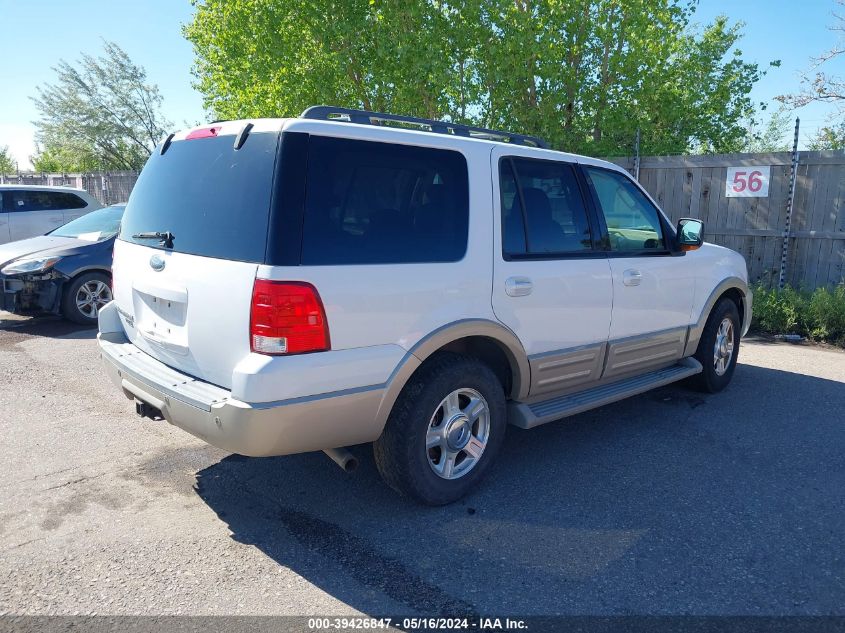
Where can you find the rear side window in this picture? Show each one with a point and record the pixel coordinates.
(68, 201)
(214, 199)
(379, 203)
(42, 201)
(544, 197)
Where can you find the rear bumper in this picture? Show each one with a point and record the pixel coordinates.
(257, 429)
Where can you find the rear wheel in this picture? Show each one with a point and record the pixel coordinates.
(85, 296)
(718, 348)
(444, 431)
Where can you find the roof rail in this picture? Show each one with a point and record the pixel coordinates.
(365, 117)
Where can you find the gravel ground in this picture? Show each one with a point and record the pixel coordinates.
(672, 502)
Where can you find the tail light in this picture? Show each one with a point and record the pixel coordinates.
(287, 318)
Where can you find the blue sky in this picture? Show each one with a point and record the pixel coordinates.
(38, 33)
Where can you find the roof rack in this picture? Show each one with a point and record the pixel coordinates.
(365, 117)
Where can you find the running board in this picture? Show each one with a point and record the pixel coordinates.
(527, 416)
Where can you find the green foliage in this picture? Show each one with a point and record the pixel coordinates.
(819, 315)
(99, 114)
(770, 136)
(7, 162)
(69, 156)
(829, 137)
(584, 75)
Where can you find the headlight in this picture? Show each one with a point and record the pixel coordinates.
(30, 265)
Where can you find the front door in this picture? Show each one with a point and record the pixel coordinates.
(32, 213)
(4, 221)
(551, 284)
(652, 290)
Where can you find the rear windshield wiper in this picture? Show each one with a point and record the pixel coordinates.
(166, 237)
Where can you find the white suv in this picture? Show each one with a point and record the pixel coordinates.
(305, 284)
(30, 210)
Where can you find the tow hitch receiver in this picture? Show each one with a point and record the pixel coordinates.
(147, 411)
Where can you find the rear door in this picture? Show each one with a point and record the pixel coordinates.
(33, 212)
(551, 283)
(187, 302)
(652, 289)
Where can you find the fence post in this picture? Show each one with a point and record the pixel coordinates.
(792, 178)
(637, 156)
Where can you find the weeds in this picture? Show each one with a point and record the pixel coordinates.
(818, 315)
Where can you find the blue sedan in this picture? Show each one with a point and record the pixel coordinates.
(66, 272)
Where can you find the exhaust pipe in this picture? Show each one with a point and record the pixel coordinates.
(342, 458)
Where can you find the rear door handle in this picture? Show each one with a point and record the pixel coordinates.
(632, 277)
(518, 286)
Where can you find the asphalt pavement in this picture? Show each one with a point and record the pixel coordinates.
(673, 502)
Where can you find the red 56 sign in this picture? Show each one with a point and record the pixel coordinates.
(747, 182)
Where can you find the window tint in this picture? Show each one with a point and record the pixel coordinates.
(376, 203)
(68, 201)
(213, 198)
(42, 201)
(545, 195)
(632, 221)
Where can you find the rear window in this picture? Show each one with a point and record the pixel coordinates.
(380, 203)
(214, 199)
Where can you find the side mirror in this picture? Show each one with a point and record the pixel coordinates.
(690, 234)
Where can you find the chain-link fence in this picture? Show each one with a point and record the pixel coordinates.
(108, 187)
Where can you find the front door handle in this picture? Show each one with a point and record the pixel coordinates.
(518, 286)
(632, 277)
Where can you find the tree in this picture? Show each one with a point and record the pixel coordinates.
(100, 113)
(816, 84)
(584, 75)
(830, 137)
(8, 164)
(770, 136)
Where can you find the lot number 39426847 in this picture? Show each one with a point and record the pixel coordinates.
(747, 182)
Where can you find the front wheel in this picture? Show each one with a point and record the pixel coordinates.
(444, 431)
(85, 296)
(718, 348)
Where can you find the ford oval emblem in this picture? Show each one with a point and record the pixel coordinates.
(157, 262)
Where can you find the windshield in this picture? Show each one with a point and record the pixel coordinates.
(93, 227)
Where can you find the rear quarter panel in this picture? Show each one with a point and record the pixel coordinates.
(399, 304)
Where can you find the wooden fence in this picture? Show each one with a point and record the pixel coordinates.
(694, 186)
(689, 186)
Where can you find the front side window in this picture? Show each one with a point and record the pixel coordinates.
(633, 222)
(28, 201)
(378, 203)
(543, 211)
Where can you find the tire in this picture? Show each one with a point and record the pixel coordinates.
(718, 370)
(429, 423)
(98, 287)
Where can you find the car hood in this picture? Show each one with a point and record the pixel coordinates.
(44, 245)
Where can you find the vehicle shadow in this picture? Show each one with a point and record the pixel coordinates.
(47, 326)
(673, 502)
